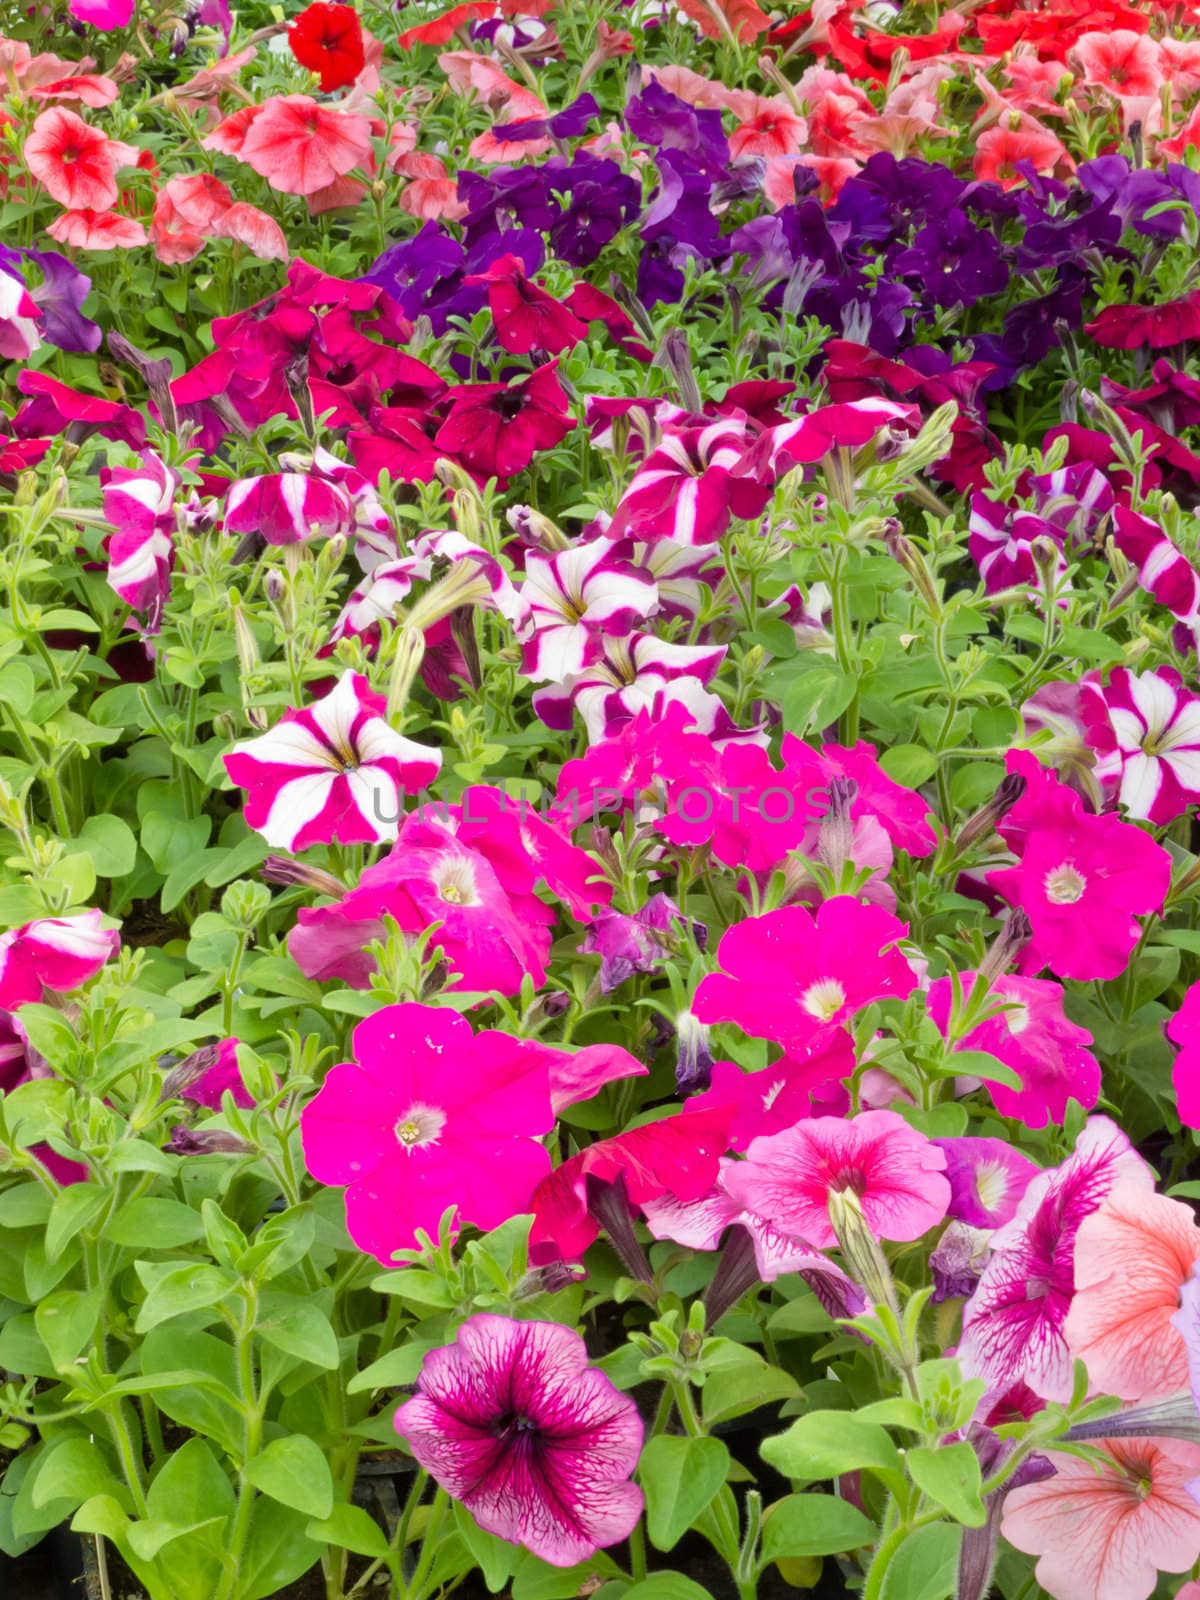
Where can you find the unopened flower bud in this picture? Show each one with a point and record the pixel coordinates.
(300, 875)
(1007, 945)
(207, 1142)
(863, 1253)
(609, 1204)
(674, 356)
(532, 528)
(1048, 559)
(694, 1061)
(1008, 791)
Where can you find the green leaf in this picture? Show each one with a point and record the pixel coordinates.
(814, 1525)
(214, 1409)
(494, 1557)
(667, 1586)
(950, 1475)
(909, 764)
(980, 1064)
(72, 1211)
(817, 698)
(72, 1470)
(535, 1579)
(299, 1328)
(825, 1444)
(679, 1477)
(398, 1367)
(925, 1566)
(277, 1552)
(743, 1383)
(294, 1471)
(111, 845)
(66, 1320)
(153, 1223)
(351, 1528)
(189, 1288)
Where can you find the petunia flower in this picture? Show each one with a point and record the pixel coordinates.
(637, 942)
(207, 1075)
(74, 162)
(1106, 1532)
(1013, 1323)
(987, 1178)
(685, 489)
(526, 317)
(288, 507)
(139, 502)
(570, 599)
(1131, 327)
(496, 429)
(772, 1099)
(897, 1174)
(328, 40)
(333, 771)
(1082, 880)
(301, 147)
(1154, 766)
(1184, 1030)
(788, 974)
(1163, 570)
(97, 230)
(428, 1116)
(19, 318)
(537, 1445)
(1132, 1258)
(1034, 1036)
(55, 953)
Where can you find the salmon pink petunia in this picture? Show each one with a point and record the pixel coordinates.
(897, 1174)
(97, 230)
(1000, 151)
(300, 147)
(427, 1116)
(75, 163)
(1120, 60)
(1105, 1533)
(538, 1446)
(1132, 1259)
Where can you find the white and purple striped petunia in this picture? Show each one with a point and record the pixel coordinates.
(684, 490)
(57, 953)
(571, 600)
(139, 502)
(334, 771)
(288, 507)
(1156, 761)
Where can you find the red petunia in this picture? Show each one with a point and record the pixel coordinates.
(526, 317)
(328, 40)
(495, 429)
(1134, 327)
(440, 30)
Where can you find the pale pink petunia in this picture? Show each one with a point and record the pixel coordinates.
(259, 233)
(333, 771)
(428, 1117)
(1105, 1533)
(1132, 1258)
(897, 1174)
(538, 1445)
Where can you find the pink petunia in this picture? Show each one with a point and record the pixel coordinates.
(1105, 1533)
(788, 974)
(1132, 1258)
(776, 1097)
(427, 1116)
(897, 1174)
(987, 1178)
(75, 163)
(333, 771)
(1184, 1030)
(139, 502)
(538, 1445)
(301, 147)
(1034, 1036)
(569, 600)
(57, 953)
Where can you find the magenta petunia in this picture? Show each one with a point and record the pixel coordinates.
(1013, 1323)
(1034, 1036)
(788, 974)
(335, 771)
(776, 1097)
(1184, 1030)
(897, 1173)
(538, 1445)
(57, 953)
(987, 1178)
(429, 1116)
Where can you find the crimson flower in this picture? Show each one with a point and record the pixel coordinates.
(496, 429)
(527, 318)
(328, 40)
(1135, 327)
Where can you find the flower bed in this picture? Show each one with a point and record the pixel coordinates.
(599, 745)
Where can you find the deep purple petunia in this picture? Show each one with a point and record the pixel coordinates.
(537, 1445)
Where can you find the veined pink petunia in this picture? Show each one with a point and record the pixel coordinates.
(538, 1445)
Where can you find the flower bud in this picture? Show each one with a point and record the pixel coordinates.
(207, 1142)
(863, 1253)
(299, 874)
(1008, 791)
(694, 1061)
(1007, 946)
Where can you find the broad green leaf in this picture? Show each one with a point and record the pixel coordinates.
(679, 1477)
(925, 1567)
(494, 1557)
(189, 1288)
(294, 1471)
(825, 1444)
(66, 1320)
(814, 1525)
(72, 1470)
(110, 844)
(667, 1586)
(154, 1223)
(742, 1384)
(351, 1528)
(950, 1475)
(299, 1328)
